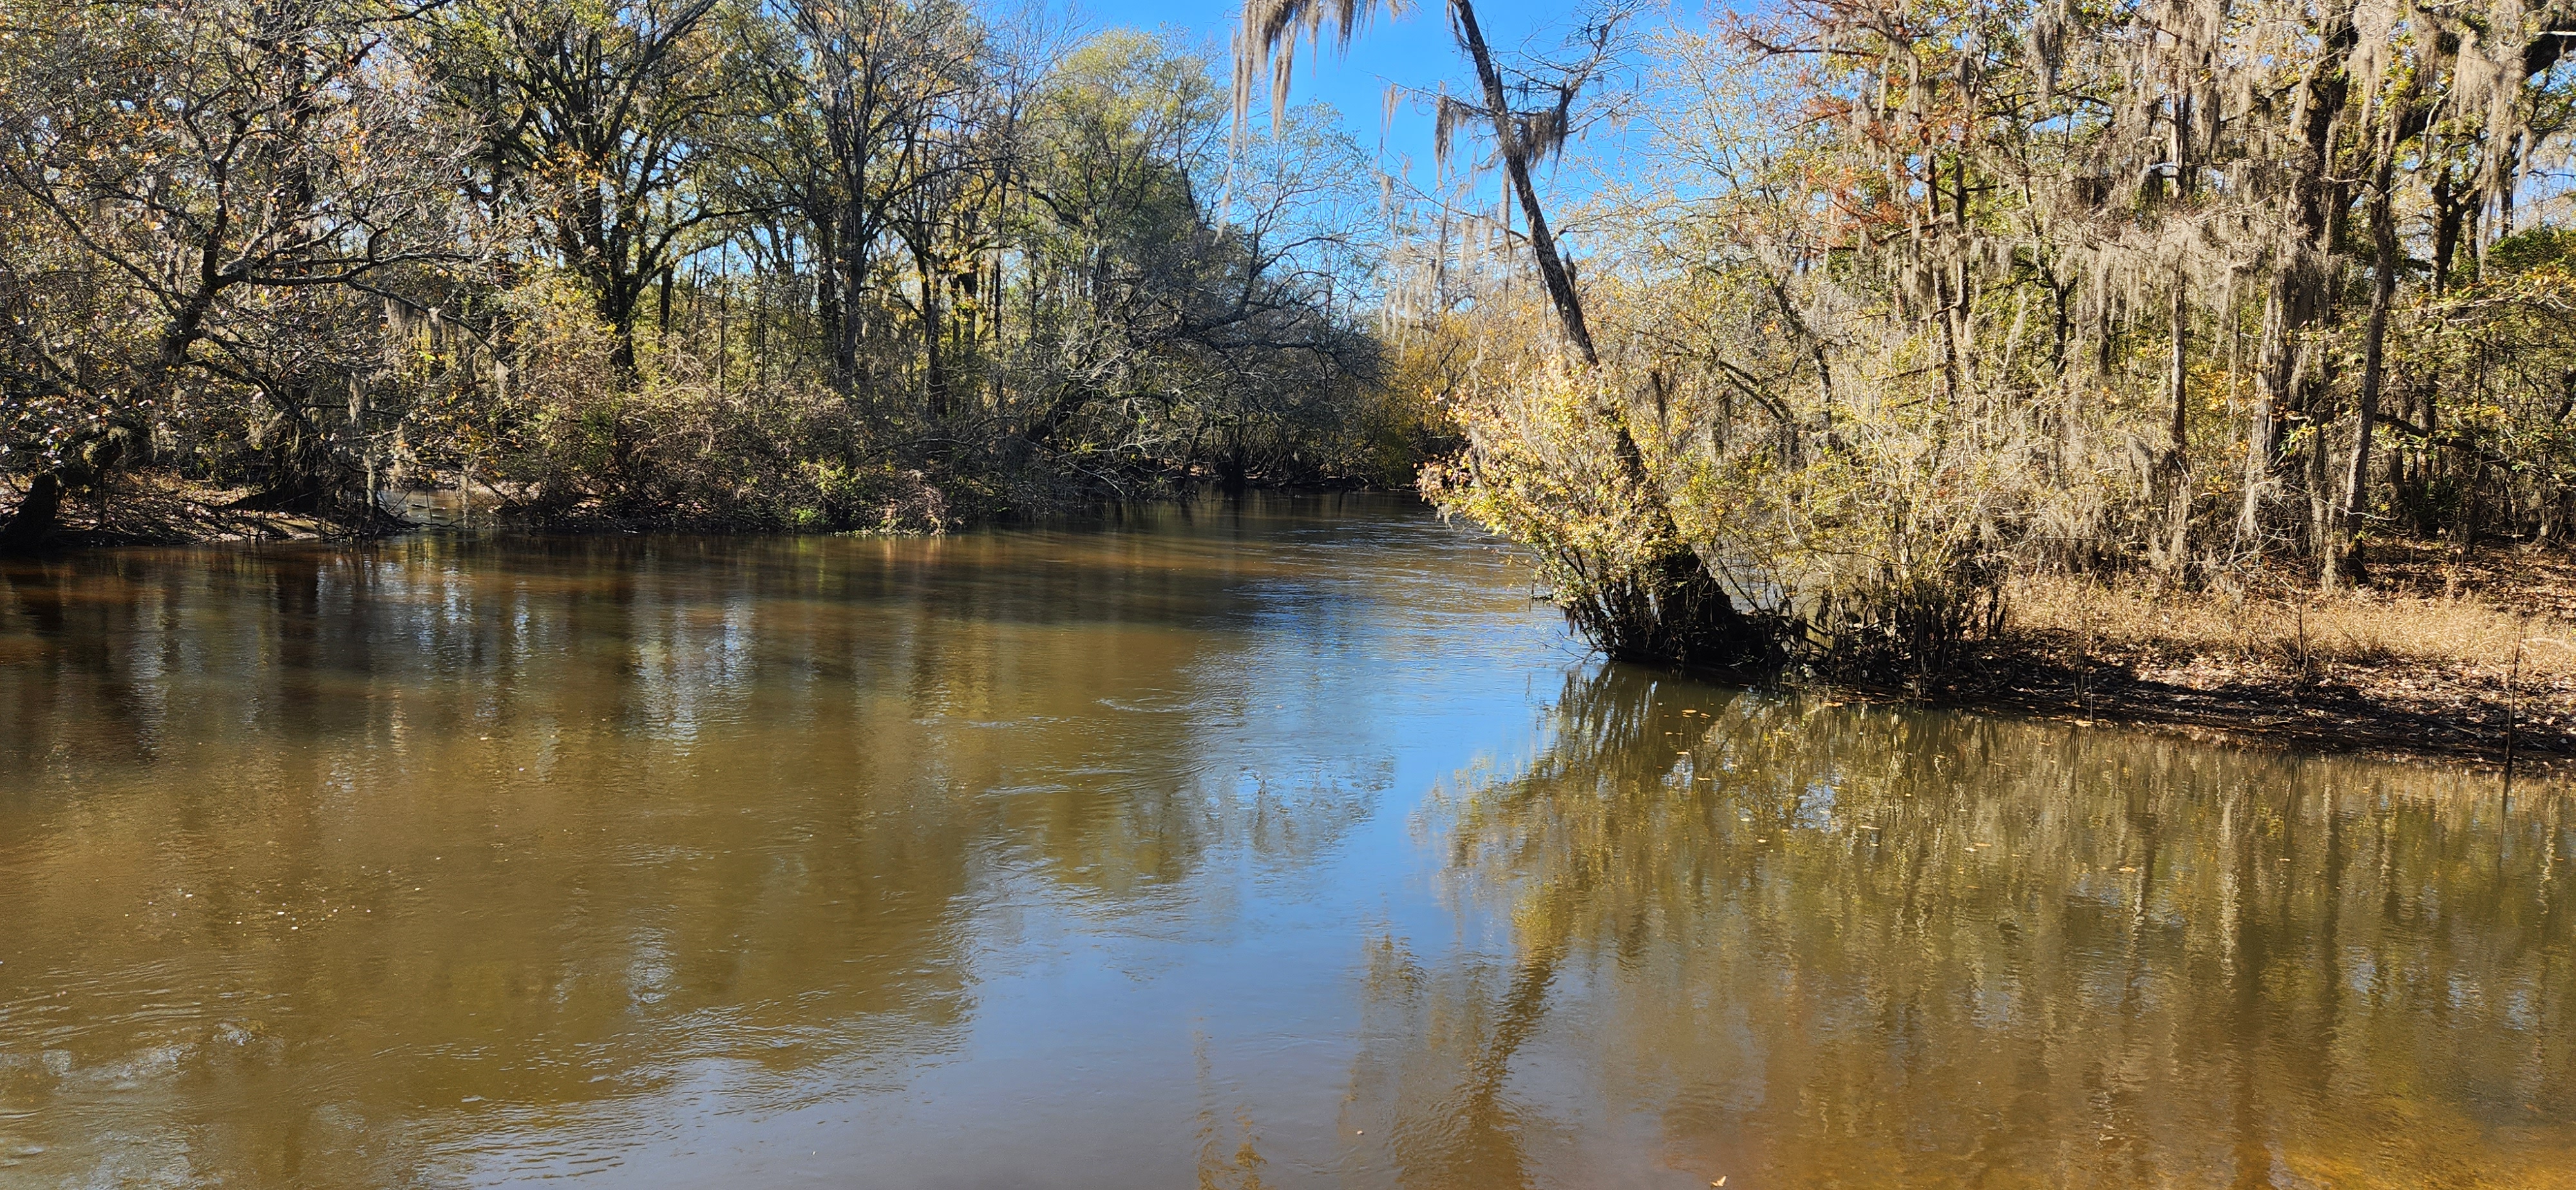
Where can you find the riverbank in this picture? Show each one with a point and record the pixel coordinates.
(152, 508)
(155, 509)
(149, 508)
(2444, 656)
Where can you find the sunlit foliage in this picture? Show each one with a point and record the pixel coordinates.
(806, 264)
(1896, 299)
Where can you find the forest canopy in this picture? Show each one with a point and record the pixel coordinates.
(739, 263)
(1884, 303)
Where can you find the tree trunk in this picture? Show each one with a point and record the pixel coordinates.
(32, 523)
(2383, 294)
(2451, 212)
(2262, 437)
(934, 321)
(2177, 463)
(621, 351)
(1516, 162)
(853, 267)
(2302, 293)
(1673, 610)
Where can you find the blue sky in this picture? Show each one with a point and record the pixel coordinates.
(1414, 49)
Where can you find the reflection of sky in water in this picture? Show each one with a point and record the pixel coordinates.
(1295, 843)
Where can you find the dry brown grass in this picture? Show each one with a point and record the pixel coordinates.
(2439, 658)
(2463, 633)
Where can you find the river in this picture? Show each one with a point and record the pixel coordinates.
(1280, 843)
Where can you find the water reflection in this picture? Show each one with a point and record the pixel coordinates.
(1791, 943)
(333, 866)
(1269, 844)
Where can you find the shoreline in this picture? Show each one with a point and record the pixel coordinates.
(159, 512)
(2328, 718)
(2245, 673)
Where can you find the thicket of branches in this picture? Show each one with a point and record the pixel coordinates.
(813, 263)
(1886, 300)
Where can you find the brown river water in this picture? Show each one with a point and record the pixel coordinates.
(1284, 843)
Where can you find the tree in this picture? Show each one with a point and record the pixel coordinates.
(202, 185)
(603, 122)
(1926, 293)
(1657, 602)
(898, 80)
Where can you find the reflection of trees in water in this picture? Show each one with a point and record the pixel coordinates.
(1828, 944)
(561, 827)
